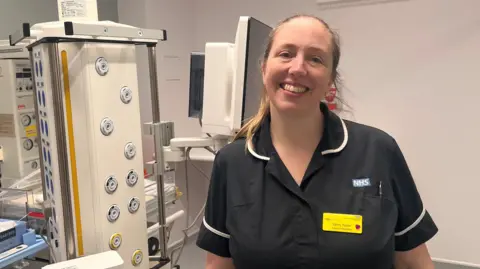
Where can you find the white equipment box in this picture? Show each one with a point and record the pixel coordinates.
(102, 123)
(18, 124)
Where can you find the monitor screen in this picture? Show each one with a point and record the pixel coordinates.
(257, 38)
(197, 71)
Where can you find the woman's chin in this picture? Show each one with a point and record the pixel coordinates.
(289, 107)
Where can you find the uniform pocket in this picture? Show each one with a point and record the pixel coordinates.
(379, 217)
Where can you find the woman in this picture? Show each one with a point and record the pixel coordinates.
(302, 188)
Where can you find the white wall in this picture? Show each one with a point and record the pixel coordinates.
(411, 68)
(15, 12)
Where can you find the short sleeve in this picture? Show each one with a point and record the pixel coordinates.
(213, 236)
(415, 226)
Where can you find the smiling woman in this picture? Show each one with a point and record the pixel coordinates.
(311, 190)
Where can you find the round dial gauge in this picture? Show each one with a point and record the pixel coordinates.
(28, 144)
(26, 120)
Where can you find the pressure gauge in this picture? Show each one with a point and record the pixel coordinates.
(28, 144)
(26, 120)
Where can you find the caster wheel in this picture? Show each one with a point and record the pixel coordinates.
(153, 246)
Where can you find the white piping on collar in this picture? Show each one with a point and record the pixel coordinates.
(325, 152)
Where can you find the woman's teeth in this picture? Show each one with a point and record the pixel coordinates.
(294, 89)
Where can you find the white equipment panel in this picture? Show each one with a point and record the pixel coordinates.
(104, 143)
(18, 131)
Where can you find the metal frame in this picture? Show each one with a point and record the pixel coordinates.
(57, 94)
(19, 35)
(72, 29)
(47, 212)
(158, 145)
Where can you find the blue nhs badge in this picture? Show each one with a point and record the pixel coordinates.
(361, 182)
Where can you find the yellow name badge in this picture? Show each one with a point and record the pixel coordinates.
(342, 223)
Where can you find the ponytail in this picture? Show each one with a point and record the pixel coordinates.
(251, 126)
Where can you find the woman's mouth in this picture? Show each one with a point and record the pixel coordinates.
(293, 89)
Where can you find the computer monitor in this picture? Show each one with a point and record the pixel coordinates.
(195, 100)
(232, 78)
(257, 37)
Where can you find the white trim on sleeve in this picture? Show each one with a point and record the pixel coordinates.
(413, 225)
(213, 230)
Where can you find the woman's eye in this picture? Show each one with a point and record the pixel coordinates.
(317, 60)
(285, 54)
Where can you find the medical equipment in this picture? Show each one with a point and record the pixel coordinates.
(90, 135)
(233, 82)
(18, 127)
(232, 86)
(14, 234)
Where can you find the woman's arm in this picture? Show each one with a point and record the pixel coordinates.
(417, 258)
(217, 262)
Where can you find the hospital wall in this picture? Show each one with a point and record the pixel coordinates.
(15, 12)
(408, 68)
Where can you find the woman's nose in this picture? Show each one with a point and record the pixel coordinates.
(297, 67)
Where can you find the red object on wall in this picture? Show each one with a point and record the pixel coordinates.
(330, 98)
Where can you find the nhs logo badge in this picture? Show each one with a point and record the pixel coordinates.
(361, 182)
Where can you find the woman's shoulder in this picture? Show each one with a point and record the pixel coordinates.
(369, 135)
(233, 151)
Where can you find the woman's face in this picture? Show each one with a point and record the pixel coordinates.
(297, 72)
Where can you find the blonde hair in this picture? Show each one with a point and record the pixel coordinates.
(251, 126)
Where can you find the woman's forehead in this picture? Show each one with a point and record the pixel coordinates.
(303, 31)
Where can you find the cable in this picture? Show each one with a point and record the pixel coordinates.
(201, 125)
(200, 213)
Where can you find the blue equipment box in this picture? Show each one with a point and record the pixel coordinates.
(11, 237)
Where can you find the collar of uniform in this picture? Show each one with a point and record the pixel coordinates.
(335, 136)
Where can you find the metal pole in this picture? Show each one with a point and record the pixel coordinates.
(158, 145)
(61, 134)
